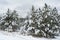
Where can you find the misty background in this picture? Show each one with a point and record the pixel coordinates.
(23, 6)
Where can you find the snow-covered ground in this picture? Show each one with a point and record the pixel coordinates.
(17, 36)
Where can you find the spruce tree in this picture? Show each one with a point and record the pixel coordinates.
(49, 25)
(44, 22)
(10, 21)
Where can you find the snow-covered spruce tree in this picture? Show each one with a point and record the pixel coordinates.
(32, 21)
(9, 22)
(56, 16)
(49, 24)
(44, 22)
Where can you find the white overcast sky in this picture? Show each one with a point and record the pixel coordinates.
(24, 5)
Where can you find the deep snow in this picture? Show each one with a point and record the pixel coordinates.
(17, 36)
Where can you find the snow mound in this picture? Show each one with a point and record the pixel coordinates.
(16, 36)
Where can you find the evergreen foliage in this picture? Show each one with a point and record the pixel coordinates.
(41, 22)
(9, 23)
(44, 22)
